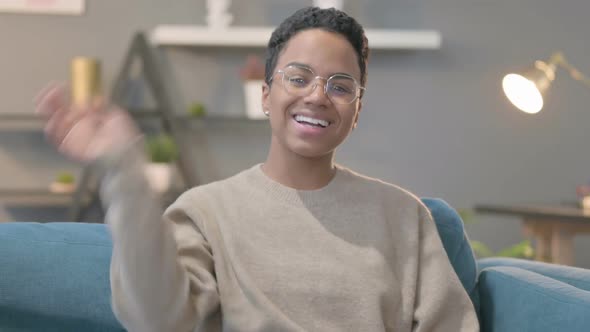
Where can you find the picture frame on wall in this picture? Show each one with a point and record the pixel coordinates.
(57, 7)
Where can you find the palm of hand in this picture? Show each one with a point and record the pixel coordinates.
(84, 133)
(98, 133)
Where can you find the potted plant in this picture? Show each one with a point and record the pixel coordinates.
(162, 152)
(252, 74)
(522, 249)
(218, 16)
(197, 110)
(65, 182)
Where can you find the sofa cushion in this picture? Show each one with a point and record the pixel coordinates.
(514, 299)
(574, 276)
(55, 277)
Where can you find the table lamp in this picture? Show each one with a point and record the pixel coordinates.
(526, 89)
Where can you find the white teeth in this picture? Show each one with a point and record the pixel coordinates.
(301, 118)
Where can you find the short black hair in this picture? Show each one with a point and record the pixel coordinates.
(332, 20)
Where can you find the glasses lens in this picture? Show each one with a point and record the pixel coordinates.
(342, 89)
(298, 81)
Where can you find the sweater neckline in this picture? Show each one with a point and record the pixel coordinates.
(281, 191)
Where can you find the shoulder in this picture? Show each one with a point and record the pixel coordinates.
(202, 205)
(391, 197)
(371, 185)
(216, 190)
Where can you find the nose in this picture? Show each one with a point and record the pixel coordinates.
(318, 94)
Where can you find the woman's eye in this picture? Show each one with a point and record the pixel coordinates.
(340, 89)
(297, 81)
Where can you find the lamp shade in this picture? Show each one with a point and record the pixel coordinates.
(526, 90)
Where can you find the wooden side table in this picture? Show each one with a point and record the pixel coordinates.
(552, 227)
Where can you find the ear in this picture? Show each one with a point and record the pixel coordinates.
(358, 112)
(265, 97)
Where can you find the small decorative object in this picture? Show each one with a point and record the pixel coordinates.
(217, 14)
(252, 73)
(583, 192)
(197, 110)
(85, 80)
(162, 152)
(63, 183)
(328, 4)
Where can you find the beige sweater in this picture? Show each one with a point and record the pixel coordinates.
(249, 254)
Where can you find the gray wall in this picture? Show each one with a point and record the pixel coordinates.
(434, 122)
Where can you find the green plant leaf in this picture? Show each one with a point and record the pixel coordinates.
(467, 215)
(480, 249)
(520, 250)
(197, 110)
(161, 149)
(65, 177)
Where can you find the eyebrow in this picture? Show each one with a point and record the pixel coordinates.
(302, 65)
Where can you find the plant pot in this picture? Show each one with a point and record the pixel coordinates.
(253, 99)
(328, 3)
(218, 16)
(159, 176)
(62, 188)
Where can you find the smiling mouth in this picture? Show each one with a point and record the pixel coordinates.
(305, 120)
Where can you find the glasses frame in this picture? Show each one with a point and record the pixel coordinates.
(358, 93)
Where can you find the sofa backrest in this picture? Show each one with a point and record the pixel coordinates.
(456, 244)
(55, 277)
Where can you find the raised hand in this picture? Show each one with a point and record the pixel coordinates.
(84, 132)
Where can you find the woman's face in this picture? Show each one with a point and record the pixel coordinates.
(293, 119)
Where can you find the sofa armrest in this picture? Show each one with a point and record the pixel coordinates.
(574, 276)
(513, 299)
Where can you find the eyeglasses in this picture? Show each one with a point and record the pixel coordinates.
(300, 81)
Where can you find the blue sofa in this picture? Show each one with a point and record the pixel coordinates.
(55, 277)
(514, 294)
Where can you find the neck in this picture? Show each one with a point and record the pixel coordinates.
(299, 172)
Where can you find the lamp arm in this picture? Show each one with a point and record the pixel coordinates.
(559, 59)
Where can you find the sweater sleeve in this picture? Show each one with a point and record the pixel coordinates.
(162, 268)
(442, 304)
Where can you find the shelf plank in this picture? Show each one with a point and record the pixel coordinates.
(192, 35)
(20, 121)
(35, 197)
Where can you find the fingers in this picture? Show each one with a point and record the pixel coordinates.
(44, 91)
(62, 117)
(52, 126)
(62, 122)
(50, 99)
(80, 135)
(82, 132)
(98, 104)
(98, 134)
